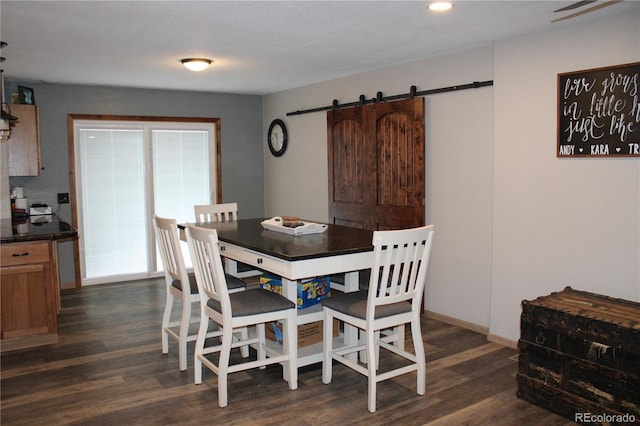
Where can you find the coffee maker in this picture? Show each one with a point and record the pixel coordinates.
(19, 210)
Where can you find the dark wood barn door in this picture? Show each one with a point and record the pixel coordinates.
(376, 165)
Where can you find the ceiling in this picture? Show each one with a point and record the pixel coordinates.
(258, 47)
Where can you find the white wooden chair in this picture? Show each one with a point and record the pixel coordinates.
(232, 311)
(396, 288)
(175, 274)
(225, 212)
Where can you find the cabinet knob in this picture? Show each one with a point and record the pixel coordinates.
(26, 253)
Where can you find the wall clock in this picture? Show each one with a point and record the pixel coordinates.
(277, 137)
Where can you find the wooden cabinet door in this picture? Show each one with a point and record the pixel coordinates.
(27, 304)
(24, 143)
(376, 165)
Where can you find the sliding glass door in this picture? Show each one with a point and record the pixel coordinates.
(181, 172)
(112, 201)
(126, 172)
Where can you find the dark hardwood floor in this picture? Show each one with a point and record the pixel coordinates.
(108, 369)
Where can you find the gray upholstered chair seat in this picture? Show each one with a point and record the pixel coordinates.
(355, 304)
(233, 283)
(254, 302)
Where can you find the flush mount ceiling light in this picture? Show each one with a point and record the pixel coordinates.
(196, 64)
(440, 6)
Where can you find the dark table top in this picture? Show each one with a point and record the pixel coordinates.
(336, 240)
(35, 228)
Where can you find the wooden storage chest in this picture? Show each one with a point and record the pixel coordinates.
(580, 356)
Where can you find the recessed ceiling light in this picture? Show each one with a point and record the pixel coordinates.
(196, 64)
(440, 6)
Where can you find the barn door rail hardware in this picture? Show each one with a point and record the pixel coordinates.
(413, 92)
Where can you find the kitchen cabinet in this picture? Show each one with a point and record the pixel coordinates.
(29, 297)
(24, 143)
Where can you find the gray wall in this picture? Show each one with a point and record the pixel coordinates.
(241, 134)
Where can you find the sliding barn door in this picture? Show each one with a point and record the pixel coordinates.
(376, 165)
(350, 166)
(399, 160)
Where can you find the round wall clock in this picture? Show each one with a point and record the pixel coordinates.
(277, 137)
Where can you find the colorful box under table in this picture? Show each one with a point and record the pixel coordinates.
(308, 334)
(311, 291)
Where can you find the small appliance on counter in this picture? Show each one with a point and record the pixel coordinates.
(22, 215)
(19, 206)
(18, 200)
(39, 214)
(38, 209)
(20, 227)
(19, 215)
(21, 203)
(40, 219)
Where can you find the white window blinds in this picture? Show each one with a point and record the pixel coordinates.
(126, 172)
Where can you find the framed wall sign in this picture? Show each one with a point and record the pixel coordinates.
(599, 112)
(25, 95)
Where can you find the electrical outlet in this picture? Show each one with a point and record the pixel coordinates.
(63, 198)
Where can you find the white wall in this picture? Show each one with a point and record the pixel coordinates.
(459, 141)
(559, 222)
(513, 222)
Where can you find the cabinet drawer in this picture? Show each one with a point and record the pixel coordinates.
(24, 253)
(257, 260)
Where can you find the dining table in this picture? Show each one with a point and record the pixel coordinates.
(337, 250)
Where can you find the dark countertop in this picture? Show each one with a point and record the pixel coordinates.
(250, 234)
(36, 228)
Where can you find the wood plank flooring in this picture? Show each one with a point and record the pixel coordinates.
(108, 369)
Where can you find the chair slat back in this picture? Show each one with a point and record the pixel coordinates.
(399, 270)
(207, 266)
(166, 231)
(216, 212)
